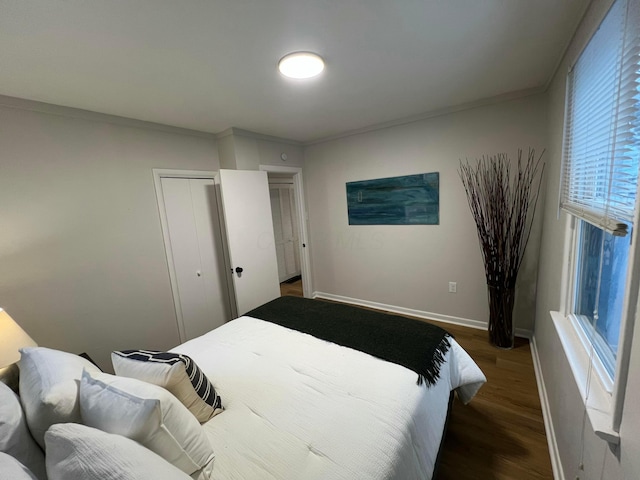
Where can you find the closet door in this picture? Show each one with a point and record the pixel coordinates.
(202, 301)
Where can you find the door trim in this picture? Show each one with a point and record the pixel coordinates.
(298, 188)
(158, 175)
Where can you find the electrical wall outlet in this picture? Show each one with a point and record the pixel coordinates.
(453, 287)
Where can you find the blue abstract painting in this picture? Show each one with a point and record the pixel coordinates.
(407, 200)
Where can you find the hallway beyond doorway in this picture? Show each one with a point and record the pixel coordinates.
(292, 287)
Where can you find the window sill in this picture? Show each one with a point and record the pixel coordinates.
(599, 403)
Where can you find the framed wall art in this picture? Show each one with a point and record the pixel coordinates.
(406, 200)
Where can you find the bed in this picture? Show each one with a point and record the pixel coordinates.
(299, 407)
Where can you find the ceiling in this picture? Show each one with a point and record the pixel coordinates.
(211, 64)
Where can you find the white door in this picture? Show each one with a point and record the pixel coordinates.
(196, 255)
(250, 239)
(285, 226)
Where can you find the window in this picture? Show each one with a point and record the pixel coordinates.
(600, 179)
(601, 273)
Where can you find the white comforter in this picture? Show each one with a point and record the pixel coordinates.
(300, 408)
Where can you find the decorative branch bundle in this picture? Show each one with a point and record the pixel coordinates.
(503, 206)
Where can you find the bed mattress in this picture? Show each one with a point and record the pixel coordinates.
(297, 407)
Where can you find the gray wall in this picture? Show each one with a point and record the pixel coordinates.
(564, 398)
(410, 266)
(82, 260)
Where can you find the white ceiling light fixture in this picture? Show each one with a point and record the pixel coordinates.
(301, 65)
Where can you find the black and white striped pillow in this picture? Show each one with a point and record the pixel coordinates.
(177, 373)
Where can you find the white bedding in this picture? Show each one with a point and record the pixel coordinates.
(300, 408)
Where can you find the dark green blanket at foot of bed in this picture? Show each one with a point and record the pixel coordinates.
(413, 344)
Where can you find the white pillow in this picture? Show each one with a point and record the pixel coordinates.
(49, 381)
(12, 469)
(149, 415)
(177, 373)
(15, 438)
(78, 452)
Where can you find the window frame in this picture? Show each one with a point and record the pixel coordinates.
(603, 396)
(580, 328)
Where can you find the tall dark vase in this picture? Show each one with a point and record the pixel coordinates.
(501, 301)
(503, 204)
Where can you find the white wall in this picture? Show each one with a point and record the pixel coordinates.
(564, 399)
(82, 261)
(270, 152)
(243, 150)
(410, 266)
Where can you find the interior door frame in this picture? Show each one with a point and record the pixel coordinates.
(158, 175)
(298, 189)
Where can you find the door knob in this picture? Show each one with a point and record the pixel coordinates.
(238, 269)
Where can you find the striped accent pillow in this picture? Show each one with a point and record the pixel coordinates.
(177, 373)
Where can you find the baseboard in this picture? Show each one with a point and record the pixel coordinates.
(466, 322)
(554, 453)
(524, 333)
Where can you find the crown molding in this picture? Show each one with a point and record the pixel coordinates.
(239, 132)
(506, 97)
(51, 109)
(70, 112)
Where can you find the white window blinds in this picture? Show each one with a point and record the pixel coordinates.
(602, 132)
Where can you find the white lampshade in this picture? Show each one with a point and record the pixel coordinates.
(12, 338)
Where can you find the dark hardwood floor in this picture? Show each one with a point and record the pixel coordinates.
(293, 288)
(500, 435)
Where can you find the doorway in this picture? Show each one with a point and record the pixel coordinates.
(285, 226)
(289, 215)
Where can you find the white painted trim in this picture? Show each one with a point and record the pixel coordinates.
(554, 453)
(52, 109)
(70, 112)
(598, 401)
(169, 173)
(523, 333)
(567, 297)
(258, 136)
(629, 318)
(281, 169)
(608, 424)
(598, 366)
(506, 97)
(298, 187)
(466, 322)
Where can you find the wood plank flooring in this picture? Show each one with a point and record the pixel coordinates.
(500, 435)
(291, 288)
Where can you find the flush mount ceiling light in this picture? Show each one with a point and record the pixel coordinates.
(301, 65)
